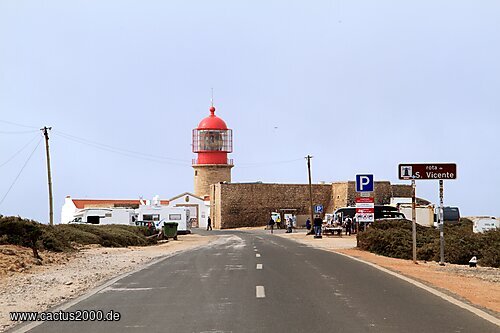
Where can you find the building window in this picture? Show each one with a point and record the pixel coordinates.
(196, 172)
(151, 217)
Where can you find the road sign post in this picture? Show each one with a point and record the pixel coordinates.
(428, 171)
(441, 223)
(414, 220)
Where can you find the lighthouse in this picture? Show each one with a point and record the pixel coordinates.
(212, 141)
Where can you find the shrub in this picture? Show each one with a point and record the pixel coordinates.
(14, 230)
(393, 238)
(61, 237)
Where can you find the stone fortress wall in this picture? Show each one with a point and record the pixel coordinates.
(236, 205)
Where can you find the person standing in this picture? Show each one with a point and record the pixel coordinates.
(348, 226)
(278, 223)
(209, 224)
(271, 224)
(318, 222)
(308, 225)
(289, 225)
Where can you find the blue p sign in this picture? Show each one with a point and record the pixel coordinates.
(318, 209)
(364, 183)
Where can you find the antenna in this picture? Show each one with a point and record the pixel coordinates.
(212, 99)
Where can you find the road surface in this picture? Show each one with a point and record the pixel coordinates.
(257, 282)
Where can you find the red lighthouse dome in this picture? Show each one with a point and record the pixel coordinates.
(212, 140)
(212, 122)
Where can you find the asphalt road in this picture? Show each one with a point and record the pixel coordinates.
(257, 282)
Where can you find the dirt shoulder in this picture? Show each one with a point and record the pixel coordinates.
(25, 285)
(478, 286)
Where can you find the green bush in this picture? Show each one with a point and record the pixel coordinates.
(63, 237)
(393, 238)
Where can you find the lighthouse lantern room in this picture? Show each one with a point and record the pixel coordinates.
(212, 141)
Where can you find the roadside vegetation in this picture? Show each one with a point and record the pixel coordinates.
(393, 238)
(68, 237)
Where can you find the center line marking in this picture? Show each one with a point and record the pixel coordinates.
(255, 250)
(259, 292)
(257, 255)
(259, 266)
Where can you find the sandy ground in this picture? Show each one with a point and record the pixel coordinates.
(25, 285)
(478, 286)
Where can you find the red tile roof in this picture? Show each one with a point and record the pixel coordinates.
(87, 203)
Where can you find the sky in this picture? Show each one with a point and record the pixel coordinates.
(360, 85)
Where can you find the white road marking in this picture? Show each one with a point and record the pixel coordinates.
(259, 266)
(260, 292)
(123, 289)
(255, 250)
(257, 255)
(234, 267)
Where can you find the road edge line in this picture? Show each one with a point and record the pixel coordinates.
(478, 312)
(64, 306)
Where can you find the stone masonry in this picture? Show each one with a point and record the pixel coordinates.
(207, 174)
(250, 204)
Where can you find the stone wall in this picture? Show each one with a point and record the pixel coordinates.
(206, 175)
(250, 205)
(401, 191)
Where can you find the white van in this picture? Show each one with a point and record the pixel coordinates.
(483, 224)
(105, 216)
(161, 214)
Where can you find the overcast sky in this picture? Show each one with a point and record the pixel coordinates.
(360, 85)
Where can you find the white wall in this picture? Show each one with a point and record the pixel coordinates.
(68, 210)
(203, 209)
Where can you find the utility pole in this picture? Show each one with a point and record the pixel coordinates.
(51, 205)
(308, 157)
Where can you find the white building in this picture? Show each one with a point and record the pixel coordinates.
(199, 208)
(108, 210)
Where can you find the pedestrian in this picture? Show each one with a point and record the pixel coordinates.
(209, 224)
(289, 225)
(308, 225)
(271, 224)
(278, 223)
(318, 222)
(354, 225)
(348, 226)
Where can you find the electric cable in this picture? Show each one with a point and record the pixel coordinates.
(264, 164)
(19, 151)
(124, 152)
(19, 174)
(16, 124)
(120, 149)
(17, 132)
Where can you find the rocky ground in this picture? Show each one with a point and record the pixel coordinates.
(30, 285)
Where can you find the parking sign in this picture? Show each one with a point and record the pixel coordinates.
(318, 209)
(364, 183)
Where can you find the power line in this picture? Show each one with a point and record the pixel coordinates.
(16, 124)
(15, 180)
(264, 164)
(124, 152)
(18, 152)
(17, 132)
